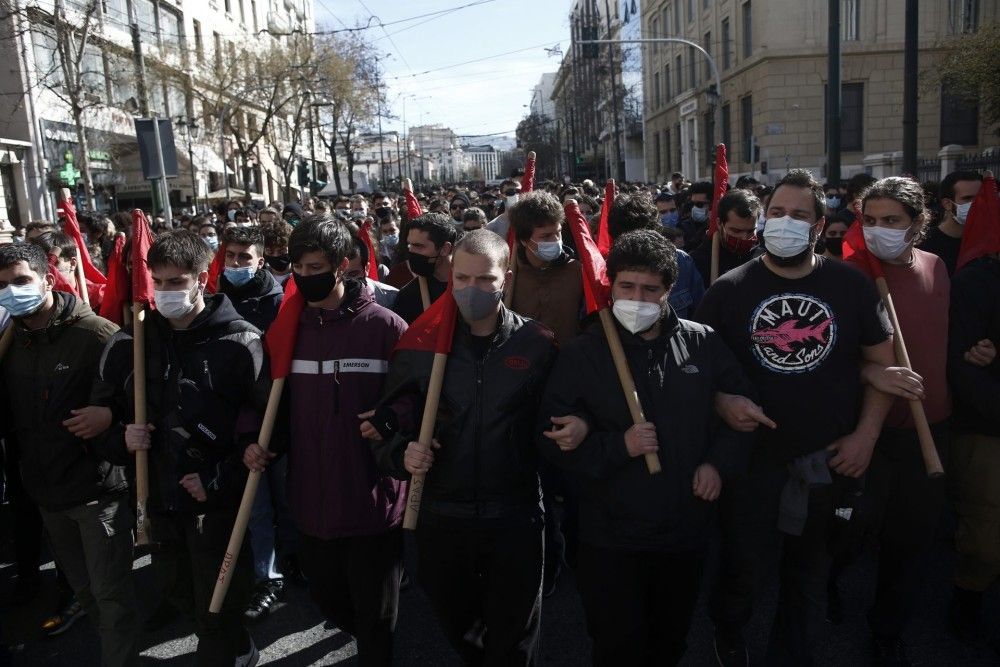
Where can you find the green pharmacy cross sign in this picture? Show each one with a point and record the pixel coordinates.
(69, 174)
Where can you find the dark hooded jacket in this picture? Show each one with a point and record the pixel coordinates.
(206, 387)
(258, 301)
(45, 374)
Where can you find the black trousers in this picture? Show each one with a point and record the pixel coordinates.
(187, 566)
(748, 518)
(485, 584)
(638, 604)
(355, 583)
(908, 505)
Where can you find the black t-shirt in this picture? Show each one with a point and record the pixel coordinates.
(944, 246)
(408, 304)
(800, 343)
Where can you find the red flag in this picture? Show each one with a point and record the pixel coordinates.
(60, 284)
(366, 236)
(116, 294)
(603, 233)
(596, 286)
(434, 329)
(854, 244)
(528, 181)
(982, 228)
(215, 269)
(281, 335)
(71, 226)
(412, 205)
(721, 182)
(142, 279)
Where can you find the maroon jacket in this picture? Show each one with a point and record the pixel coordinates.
(340, 363)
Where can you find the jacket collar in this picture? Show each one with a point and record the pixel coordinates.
(504, 330)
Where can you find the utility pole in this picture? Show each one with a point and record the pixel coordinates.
(222, 142)
(910, 89)
(616, 172)
(140, 62)
(378, 102)
(312, 148)
(833, 94)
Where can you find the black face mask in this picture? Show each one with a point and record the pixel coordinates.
(421, 265)
(835, 245)
(315, 287)
(278, 262)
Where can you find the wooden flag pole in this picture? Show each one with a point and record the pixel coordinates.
(932, 462)
(426, 437)
(508, 297)
(246, 504)
(628, 384)
(714, 274)
(425, 293)
(141, 456)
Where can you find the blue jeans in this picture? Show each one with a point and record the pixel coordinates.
(270, 507)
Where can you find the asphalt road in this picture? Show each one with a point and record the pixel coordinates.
(296, 635)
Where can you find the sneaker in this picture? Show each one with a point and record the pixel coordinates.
(250, 658)
(889, 651)
(62, 620)
(264, 598)
(731, 652)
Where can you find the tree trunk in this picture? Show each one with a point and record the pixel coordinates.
(332, 146)
(81, 138)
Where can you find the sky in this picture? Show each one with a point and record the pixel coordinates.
(486, 97)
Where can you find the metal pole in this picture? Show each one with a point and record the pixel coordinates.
(312, 154)
(833, 93)
(222, 142)
(910, 89)
(167, 213)
(381, 151)
(194, 183)
(614, 101)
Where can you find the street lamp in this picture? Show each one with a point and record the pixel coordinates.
(192, 132)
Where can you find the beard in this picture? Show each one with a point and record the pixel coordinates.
(794, 260)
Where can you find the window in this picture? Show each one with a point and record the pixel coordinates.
(747, 30)
(690, 10)
(677, 145)
(706, 4)
(229, 6)
(43, 47)
(146, 11)
(709, 125)
(852, 113)
(849, 20)
(170, 30)
(727, 137)
(677, 16)
(199, 44)
(157, 98)
(654, 32)
(707, 45)
(176, 101)
(725, 43)
(680, 74)
(666, 146)
(92, 72)
(746, 120)
(116, 11)
(243, 13)
(253, 12)
(657, 157)
(666, 21)
(959, 119)
(217, 42)
(657, 100)
(667, 84)
(963, 16)
(692, 68)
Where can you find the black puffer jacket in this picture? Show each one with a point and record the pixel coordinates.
(206, 387)
(487, 467)
(258, 301)
(45, 374)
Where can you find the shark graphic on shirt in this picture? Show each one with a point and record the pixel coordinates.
(788, 332)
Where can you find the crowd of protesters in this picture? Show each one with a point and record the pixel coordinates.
(773, 396)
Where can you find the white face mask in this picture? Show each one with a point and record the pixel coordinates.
(786, 236)
(174, 304)
(962, 212)
(548, 250)
(636, 316)
(885, 243)
(510, 201)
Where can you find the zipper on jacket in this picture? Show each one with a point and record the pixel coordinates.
(208, 374)
(336, 387)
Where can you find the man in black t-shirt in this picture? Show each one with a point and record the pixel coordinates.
(802, 326)
(429, 241)
(957, 191)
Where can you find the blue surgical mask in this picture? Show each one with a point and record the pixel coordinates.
(390, 240)
(699, 214)
(548, 250)
(962, 212)
(670, 219)
(239, 275)
(212, 242)
(231, 215)
(833, 203)
(21, 300)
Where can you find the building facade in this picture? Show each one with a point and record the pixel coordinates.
(772, 61)
(182, 44)
(484, 162)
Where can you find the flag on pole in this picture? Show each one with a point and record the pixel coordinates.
(215, 269)
(721, 183)
(366, 236)
(71, 226)
(434, 329)
(854, 244)
(413, 210)
(982, 228)
(603, 232)
(528, 181)
(596, 286)
(281, 335)
(142, 239)
(116, 292)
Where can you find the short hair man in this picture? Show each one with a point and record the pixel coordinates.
(738, 211)
(956, 193)
(510, 190)
(480, 529)
(694, 217)
(254, 292)
(36, 228)
(357, 269)
(639, 566)
(801, 326)
(458, 204)
(676, 184)
(473, 218)
(45, 393)
(666, 206)
(276, 249)
(348, 514)
(429, 243)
